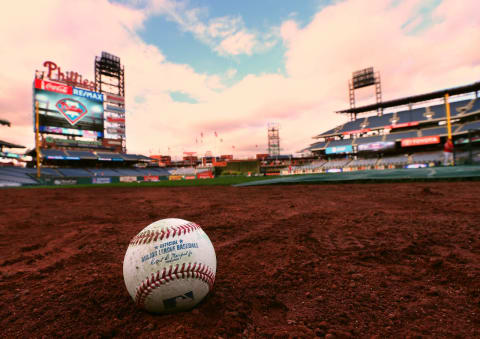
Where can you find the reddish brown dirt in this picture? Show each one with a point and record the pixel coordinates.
(362, 260)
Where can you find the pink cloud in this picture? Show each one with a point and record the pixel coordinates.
(238, 43)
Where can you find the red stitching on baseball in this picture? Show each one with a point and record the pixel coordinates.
(202, 272)
(147, 237)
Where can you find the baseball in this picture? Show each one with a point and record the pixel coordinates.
(169, 266)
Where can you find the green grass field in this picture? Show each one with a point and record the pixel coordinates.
(220, 181)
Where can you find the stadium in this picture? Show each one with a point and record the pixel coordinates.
(403, 133)
(370, 230)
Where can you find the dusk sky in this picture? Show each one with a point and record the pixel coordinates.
(198, 67)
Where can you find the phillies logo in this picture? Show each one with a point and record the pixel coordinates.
(72, 110)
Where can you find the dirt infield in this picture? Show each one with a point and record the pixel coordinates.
(293, 261)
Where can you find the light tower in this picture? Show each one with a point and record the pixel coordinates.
(273, 139)
(110, 80)
(364, 78)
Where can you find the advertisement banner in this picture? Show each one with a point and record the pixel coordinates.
(357, 131)
(112, 142)
(376, 146)
(101, 180)
(152, 178)
(404, 124)
(219, 163)
(115, 98)
(88, 94)
(113, 130)
(67, 107)
(10, 155)
(112, 119)
(466, 140)
(53, 87)
(128, 179)
(190, 177)
(175, 177)
(416, 166)
(115, 109)
(419, 141)
(69, 131)
(65, 182)
(339, 149)
(205, 175)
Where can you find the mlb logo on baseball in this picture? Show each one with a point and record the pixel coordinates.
(169, 266)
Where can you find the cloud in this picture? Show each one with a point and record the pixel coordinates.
(230, 73)
(319, 59)
(226, 35)
(239, 43)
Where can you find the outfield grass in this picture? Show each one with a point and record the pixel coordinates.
(220, 181)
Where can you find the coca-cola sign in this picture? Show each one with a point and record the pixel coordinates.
(54, 72)
(53, 87)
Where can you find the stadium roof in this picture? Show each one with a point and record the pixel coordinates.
(415, 98)
(10, 145)
(5, 122)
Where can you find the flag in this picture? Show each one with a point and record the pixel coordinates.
(215, 132)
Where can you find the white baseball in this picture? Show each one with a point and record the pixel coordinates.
(169, 266)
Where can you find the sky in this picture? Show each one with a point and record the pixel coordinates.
(210, 75)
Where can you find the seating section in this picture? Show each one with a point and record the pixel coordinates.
(342, 142)
(308, 168)
(473, 125)
(47, 153)
(82, 155)
(367, 140)
(416, 114)
(10, 176)
(427, 157)
(112, 156)
(353, 125)
(435, 131)
(104, 172)
(127, 171)
(184, 171)
(363, 162)
(376, 121)
(132, 157)
(401, 135)
(393, 160)
(464, 107)
(74, 172)
(433, 112)
(154, 171)
(337, 163)
(317, 145)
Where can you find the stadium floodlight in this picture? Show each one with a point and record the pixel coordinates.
(364, 78)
